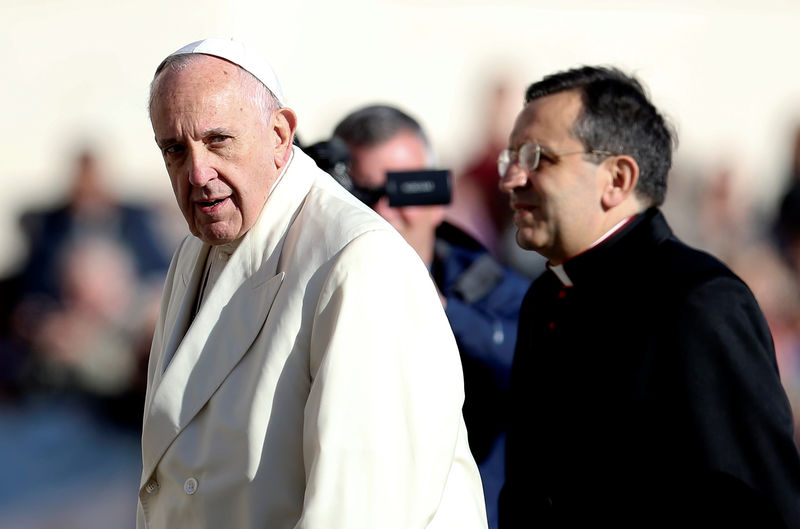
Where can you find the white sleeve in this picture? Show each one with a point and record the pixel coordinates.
(384, 441)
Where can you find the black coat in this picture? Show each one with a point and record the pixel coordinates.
(647, 395)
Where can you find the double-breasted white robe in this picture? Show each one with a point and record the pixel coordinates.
(318, 385)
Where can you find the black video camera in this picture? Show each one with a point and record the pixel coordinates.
(404, 188)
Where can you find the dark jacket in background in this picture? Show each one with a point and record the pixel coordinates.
(483, 301)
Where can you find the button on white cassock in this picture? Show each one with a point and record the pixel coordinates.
(151, 486)
(190, 486)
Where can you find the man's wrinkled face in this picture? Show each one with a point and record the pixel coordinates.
(403, 152)
(557, 206)
(216, 145)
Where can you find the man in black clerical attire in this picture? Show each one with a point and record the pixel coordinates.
(645, 391)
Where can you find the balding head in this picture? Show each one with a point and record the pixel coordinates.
(251, 88)
(222, 149)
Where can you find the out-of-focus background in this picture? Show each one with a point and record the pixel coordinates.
(89, 223)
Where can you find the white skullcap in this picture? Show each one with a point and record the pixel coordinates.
(240, 55)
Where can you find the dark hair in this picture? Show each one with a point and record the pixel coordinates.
(617, 117)
(375, 124)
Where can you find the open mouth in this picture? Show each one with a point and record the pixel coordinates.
(211, 207)
(210, 204)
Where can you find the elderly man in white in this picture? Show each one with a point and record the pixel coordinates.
(302, 373)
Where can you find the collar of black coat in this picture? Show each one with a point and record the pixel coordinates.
(614, 256)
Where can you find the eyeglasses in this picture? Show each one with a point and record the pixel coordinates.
(529, 155)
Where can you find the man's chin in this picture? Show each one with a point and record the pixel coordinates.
(526, 240)
(215, 235)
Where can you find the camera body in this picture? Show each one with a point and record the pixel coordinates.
(418, 188)
(403, 188)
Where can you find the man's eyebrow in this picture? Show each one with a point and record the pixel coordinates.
(216, 132)
(206, 134)
(164, 142)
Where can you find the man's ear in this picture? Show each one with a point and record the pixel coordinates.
(624, 175)
(284, 123)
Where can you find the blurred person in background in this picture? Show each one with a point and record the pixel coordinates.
(645, 389)
(87, 294)
(79, 317)
(91, 209)
(477, 203)
(786, 237)
(786, 225)
(302, 372)
(481, 297)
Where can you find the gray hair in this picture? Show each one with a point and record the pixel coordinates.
(252, 88)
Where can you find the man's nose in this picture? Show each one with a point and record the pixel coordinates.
(200, 169)
(515, 177)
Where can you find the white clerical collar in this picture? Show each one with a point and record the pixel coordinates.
(561, 274)
(559, 271)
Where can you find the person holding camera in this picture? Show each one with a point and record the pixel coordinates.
(387, 148)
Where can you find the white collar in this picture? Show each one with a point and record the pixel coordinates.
(561, 274)
(559, 271)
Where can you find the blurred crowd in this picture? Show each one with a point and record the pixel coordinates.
(79, 313)
(76, 318)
